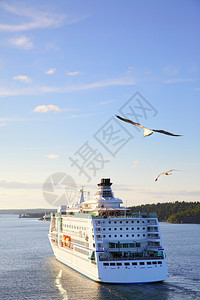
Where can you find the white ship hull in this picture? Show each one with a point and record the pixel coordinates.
(113, 274)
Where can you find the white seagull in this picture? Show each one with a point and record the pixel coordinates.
(166, 173)
(147, 131)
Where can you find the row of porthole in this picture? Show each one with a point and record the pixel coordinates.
(127, 228)
(141, 263)
(127, 222)
(121, 235)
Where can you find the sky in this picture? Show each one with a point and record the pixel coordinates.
(67, 68)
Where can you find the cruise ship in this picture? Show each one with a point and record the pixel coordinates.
(105, 242)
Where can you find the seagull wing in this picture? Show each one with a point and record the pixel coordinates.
(166, 132)
(159, 175)
(131, 122)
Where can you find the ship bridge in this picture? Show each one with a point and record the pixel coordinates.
(103, 199)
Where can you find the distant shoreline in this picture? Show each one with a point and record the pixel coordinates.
(171, 212)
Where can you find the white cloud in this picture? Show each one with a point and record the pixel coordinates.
(50, 71)
(4, 92)
(73, 73)
(52, 156)
(47, 108)
(2, 124)
(36, 18)
(21, 42)
(23, 78)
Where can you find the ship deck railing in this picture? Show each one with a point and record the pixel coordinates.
(108, 215)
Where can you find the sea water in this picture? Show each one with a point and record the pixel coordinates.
(28, 269)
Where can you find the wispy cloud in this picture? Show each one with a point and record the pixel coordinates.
(130, 69)
(2, 124)
(20, 185)
(107, 102)
(21, 42)
(136, 163)
(23, 78)
(50, 71)
(180, 80)
(4, 92)
(52, 156)
(47, 108)
(36, 18)
(73, 73)
(172, 70)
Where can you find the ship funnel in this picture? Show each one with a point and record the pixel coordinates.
(105, 182)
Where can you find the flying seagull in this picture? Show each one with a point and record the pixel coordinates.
(166, 173)
(147, 131)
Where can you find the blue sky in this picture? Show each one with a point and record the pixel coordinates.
(67, 67)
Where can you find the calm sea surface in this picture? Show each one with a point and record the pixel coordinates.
(28, 269)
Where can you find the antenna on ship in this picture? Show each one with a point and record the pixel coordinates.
(82, 195)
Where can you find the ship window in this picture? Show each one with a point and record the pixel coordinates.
(120, 222)
(143, 228)
(94, 245)
(126, 228)
(143, 234)
(138, 235)
(149, 263)
(119, 264)
(134, 264)
(142, 263)
(154, 262)
(142, 221)
(109, 222)
(104, 235)
(126, 221)
(132, 228)
(115, 228)
(138, 221)
(126, 264)
(115, 222)
(132, 221)
(132, 235)
(107, 194)
(120, 228)
(112, 264)
(127, 235)
(121, 235)
(109, 228)
(106, 264)
(109, 235)
(160, 262)
(125, 245)
(104, 229)
(115, 235)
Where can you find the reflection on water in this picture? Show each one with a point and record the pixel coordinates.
(59, 286)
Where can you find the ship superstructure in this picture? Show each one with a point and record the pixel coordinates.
(102, 240)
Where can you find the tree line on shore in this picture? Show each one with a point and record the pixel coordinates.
(173, 212)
